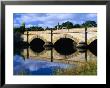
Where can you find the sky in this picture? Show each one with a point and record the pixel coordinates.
(51, 19)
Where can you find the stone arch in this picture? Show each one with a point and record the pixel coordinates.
(91, 40)
(38, 36)
(76, 40)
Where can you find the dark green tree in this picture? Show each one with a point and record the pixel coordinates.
(40, 29)
(77, 26)
(22, 27)
(68, 25)
(89, 24)
(47, 28)
(33, 28)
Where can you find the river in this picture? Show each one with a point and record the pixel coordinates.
(40, 61)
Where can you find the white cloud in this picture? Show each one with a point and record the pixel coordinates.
(52, 19)
(91, 16)
(16, 25)
(34, 17)
(29, 25)
(42, 25)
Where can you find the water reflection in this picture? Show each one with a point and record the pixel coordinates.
(93, 47)
(35, 67)
(37, 60)
(37, 45)
(53, 55)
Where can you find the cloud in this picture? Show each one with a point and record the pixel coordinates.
(51, 19)
(29, 25)
(92, 15)
(16, 25)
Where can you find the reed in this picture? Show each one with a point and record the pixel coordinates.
(86, 68)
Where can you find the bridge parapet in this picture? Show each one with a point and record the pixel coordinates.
(76, 34)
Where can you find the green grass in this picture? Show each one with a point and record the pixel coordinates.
(85, 68)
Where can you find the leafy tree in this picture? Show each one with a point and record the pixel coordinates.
(89, 24)
(40, 29)
(77, 26)
(22, 27)
(67, 24)
(55, 27)
(47, 28)
(33, 28)
(36, 28)
(23, 24)
(58, 26)
(16, 30)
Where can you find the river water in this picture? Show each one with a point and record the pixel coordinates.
(42, 61)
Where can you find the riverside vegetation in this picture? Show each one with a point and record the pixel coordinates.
(84, 68)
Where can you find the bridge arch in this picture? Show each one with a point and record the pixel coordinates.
(76, 40)
(37, 36)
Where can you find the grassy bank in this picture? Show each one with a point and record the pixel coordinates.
(85, 68)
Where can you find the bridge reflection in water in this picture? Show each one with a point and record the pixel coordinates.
(58, 53)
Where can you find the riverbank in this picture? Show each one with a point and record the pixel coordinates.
(85, 68)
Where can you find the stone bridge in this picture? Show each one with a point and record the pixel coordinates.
(76, 34)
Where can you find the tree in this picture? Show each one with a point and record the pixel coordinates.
(47, 28)
(22, 28)
(33, 28)
(77, 26)
(89, 24)
(36, 28)
(23, 24)
(58, 27)
(40, 29)
(67, 24)
(55, 27)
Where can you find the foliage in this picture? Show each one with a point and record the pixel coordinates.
(77, 26)
(68, 25)
(47, 28)
(86, 68)
(36, 28)
(20, 30)
(58, 27)
(18, 40)
(89, 24)
(23, 24)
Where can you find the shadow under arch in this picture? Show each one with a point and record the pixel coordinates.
(37, 45)
(76, 40)
(65, 46)
(38, 37)
(93, 47)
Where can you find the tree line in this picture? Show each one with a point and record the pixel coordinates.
(70, 25)
(65, 25)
